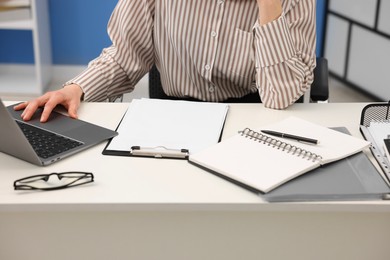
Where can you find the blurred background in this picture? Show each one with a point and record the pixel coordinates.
(63, 36)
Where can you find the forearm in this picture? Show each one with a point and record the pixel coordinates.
(285, 54)
(103, 79)
(122, 65)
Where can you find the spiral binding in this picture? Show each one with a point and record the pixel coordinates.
(289, 148)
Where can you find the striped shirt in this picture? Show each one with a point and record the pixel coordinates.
(208, 50)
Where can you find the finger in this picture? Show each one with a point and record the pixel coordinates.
(29, 110)
(20, 106)
(32, 106)
(72, 110)
(47, 109)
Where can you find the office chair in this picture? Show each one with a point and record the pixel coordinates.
(319, 91)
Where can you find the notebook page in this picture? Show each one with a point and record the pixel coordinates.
(253, 163)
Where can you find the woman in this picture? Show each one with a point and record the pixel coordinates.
(210, 50)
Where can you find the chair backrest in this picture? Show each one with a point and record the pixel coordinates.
(320, 86)
(319, 89)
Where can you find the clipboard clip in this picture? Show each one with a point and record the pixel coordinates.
(159, 152)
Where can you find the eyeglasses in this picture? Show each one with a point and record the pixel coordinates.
(46, 182)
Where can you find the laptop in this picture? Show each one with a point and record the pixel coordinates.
(45, 143)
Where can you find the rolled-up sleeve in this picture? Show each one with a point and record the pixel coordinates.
(120, 66)
(285, 54)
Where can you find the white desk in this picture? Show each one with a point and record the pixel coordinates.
(141, 208)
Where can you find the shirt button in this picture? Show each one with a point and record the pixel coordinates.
(221, 2)
(214, 34)
(211, 89)
(207, 67)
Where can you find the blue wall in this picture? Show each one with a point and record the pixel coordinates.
(78, 31)
(321, 8)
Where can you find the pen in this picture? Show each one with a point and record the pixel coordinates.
(289, 136)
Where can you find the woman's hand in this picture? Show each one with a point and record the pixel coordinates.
(269, 10)
(69, 97)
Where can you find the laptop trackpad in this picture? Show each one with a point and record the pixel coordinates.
(57, 122)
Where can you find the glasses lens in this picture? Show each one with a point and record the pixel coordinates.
(75, 175)
(37, 178)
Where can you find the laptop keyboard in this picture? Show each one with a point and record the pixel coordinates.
(45, 143)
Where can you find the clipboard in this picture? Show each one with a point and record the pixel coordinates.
(170, 129)
(374, 122)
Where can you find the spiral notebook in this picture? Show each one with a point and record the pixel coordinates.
(261, 162)
(353, 178)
